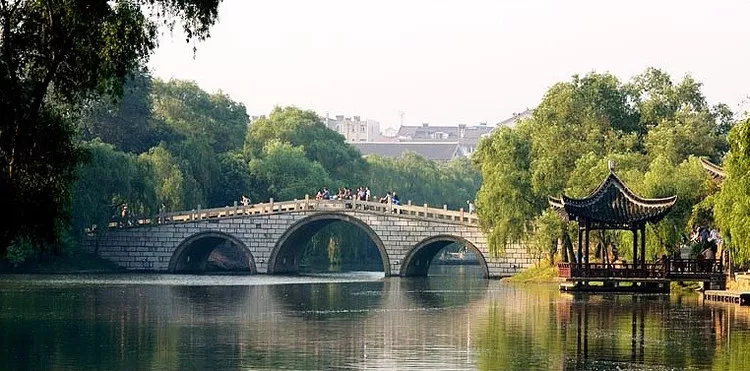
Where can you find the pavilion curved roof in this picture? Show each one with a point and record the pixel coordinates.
(714, 170)
(613, 206)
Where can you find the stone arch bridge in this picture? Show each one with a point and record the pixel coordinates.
(269, 237)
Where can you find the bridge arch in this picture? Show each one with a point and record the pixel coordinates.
(417, 260)
(286, 256)
(192, 254)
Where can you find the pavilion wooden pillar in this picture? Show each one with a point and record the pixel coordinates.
(635, 246)
(586, 257)
(580, 245)
(643, 244)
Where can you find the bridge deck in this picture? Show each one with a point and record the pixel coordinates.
(422, 212)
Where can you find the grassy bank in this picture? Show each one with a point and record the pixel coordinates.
(540, 273)
(78, 262)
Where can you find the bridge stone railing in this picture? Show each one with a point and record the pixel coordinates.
(421, 212)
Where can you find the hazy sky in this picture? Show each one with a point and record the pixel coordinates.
(450, 62)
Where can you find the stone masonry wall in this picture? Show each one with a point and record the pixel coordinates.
(151, 247)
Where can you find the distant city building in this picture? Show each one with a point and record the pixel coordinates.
(513, 120)
(436, 151)
(389, 134)
(466, 136)
(439, 143)
(354, 129)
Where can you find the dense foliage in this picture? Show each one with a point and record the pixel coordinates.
(423, 181)
(54, 56)
(169, 145)
(732, 203)
(654, 129)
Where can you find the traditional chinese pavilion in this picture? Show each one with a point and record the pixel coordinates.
(612, 206)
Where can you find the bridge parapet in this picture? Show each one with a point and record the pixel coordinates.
(413, 211)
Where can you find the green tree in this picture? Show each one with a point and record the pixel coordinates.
(506, 203)
(650, 126)
(234, 180)
(200, 164)
(172, 186)
(732, 202)
(420, 180)
(127, 122)
(53, 56)
(105, 181)
(194, 113)
(284, 173)
(304, 129)
(412, 176)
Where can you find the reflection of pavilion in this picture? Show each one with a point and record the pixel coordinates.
(618, 321)
(613, 206)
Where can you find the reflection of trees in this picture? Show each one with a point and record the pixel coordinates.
(340, 246)
(474, 323)
(551, 331)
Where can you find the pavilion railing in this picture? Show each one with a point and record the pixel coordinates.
(692, 266)
(670, 268)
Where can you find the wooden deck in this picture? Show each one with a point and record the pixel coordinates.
(644, 277)
(642, 287)
(724, 296)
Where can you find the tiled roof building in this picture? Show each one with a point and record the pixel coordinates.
(436, 151)
(466, 136)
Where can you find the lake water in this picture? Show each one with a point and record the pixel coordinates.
(453, 320)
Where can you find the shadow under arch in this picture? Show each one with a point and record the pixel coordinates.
(430, 293)
(191, 255)
(418, 259)
(325, 300)
(286, 254)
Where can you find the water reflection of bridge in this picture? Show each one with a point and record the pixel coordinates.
(380, 319)
(443, 323)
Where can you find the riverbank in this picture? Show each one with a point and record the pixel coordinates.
(540, 273)
(68, 264)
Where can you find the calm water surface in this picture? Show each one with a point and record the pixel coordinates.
(451, 321)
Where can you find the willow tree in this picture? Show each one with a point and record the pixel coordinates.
(651, 126)
(54, 55)
(732, 203)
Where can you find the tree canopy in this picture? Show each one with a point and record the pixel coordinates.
(732, 202)
(54, 55)
(652, 127)
(305, 129)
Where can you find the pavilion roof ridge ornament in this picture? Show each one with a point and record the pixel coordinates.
(612, 205)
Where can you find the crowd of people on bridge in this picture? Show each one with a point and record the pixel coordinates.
(362, 193)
